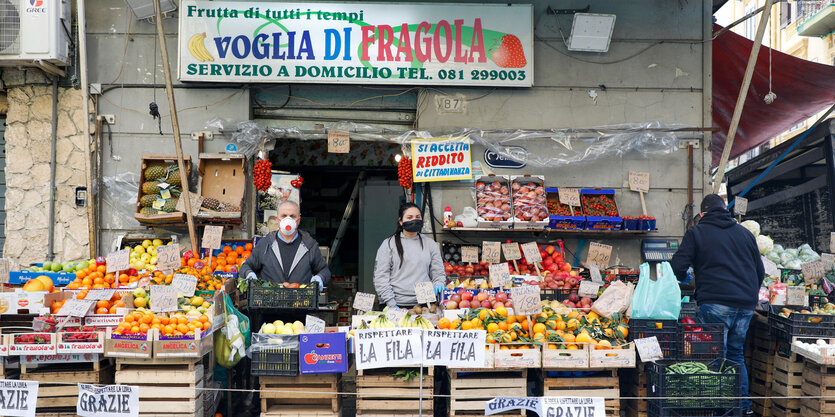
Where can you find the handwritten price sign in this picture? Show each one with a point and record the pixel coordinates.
(118, 261)
(599, 254)
(424, 292)
(500, 275)
(168, 257)
(526, 300)
(76, 308)
(211, 237)
(812, 271)
(491, 252)
(364, 301)
(639, 181)
(185, 284)
(339, 141)
(511, 251)
(569, 196)
(469, 254)
(531, 251)
(740, 205)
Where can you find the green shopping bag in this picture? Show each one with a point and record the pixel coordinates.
(658, 299)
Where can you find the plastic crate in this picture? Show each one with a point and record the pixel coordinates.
(666, 331)
(702, 342)
(679, 394)
(283, 298)
(817, 300)
(275, 355)
(559, 294)
(689, 309)
(797, 324)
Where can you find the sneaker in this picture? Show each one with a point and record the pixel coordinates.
(748, 413)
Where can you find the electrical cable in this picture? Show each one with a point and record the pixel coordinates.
(125, 52)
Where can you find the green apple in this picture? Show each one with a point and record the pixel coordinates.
(139, 292)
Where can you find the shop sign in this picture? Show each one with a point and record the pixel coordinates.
(362, 43)
(384, 348)
(18, 398)
(496, 160)
(549, 406)
(109, 400)
(454, 348)
(441, 159)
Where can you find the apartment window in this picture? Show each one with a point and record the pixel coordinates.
(785, 14)
(751, 23)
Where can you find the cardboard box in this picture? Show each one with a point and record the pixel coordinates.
(518, 358)
(129, 346)
(613, 358)
(66, 346)
(600, 222)
(222, 177)
(565, 358)
(323, 353)
(58, 278)
(176, 217)
(532, 205)
(17, 301)
(492, 181)
(16, 348)
(187, 346)
(562, 221)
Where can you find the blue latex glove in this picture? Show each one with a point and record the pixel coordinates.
(689, 276)
(439, 289)
(317, 279)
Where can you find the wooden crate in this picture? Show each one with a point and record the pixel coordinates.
(471, 389)
(176, 217)
(818, 381)
(54, 389)
(779, 410)
(788, 377)
(302, 395)
(169, 389)
(605, 385)
(633, 383)
(380, 394)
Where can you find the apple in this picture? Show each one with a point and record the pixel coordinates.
(571, 281)
(485, 304)
(498, 304)
(553, 286)
(467, 296)
(550, 249)
(464, 304)
(585, 300)
(455, 297)
(482, 296)
(573, 298)
(566, 267)
(509, 304)
(546, 262)
(451, 305)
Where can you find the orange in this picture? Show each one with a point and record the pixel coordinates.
(134, 329)
(163, 320)
(129, 318)
(102, 310)
(86, 282)
(207, 326)
(112, 310)
(511, 319)
(492, 328)
(81, 274)
(72, 286)
(203, 318)
(103, 303)
(182, 328)
(539, 328)
(143, 328)
(239, 250)
(248, 247)
(467, 325)
(182, 320)
(443, 323)
(503, 325)
(101, 268)
(482, 315)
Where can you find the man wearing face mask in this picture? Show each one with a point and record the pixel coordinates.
(288, 254)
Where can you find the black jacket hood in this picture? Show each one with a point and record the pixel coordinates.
(720, 218)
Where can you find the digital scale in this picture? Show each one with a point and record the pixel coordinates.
(658, 250)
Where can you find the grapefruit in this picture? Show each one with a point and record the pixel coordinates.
(46, 281)
(33, 285)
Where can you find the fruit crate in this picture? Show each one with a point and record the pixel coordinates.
(559, 215)
(490, 189)
(805, 325)
(816, 300)
(275, 355)
(701, 342)
(559, 294)
(689, 309)
(223, 178)
(679, 394)
(171, 387)
(176, 217)
(597, 219)
(666, 331)
(280, 396)
(283, 298)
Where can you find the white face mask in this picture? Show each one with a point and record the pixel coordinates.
(287, 226)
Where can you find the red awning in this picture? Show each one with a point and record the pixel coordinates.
(803, 89)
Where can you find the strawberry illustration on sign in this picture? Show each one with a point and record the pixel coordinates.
(509, 53)
(310, 358)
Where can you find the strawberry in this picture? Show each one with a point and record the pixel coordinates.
(509, 53)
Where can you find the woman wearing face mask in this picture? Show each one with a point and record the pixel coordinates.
(405, 259)
(288, 254)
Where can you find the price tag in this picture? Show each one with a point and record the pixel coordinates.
(394, 314)
(531, 251)
(599, 254)
(364, 301)
(500, 275)
(828, 260)
(100, 294)
(185, 284)
(313, 324)
(211, 237)
(594, 271)
(511, 251)
(469, 254)
(339, 141)
(165, 194)
(163, 298)
(570, 196)
(76, 308)
(588, 289)
(796, 295)
(424, 292)
(812, 271)
(526, 300)
(771, 269)
(19, 398)
(639, 181)
(740, 205)
(648, 349)
(118, 261)
(196, 202)
(120, 401)
(168, 257)
(491, 252)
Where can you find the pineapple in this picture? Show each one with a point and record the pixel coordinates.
(154, 172)
(211, 203)
(147, 211)
(150, 187)
(174, 177)
(170, 205)
(147, 200)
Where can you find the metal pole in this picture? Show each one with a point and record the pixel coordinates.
(50, 250)
(85, 107)
(743, 93)
(175, 125)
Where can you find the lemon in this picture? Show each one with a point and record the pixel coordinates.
(139, 249)
(153, 260)
(146, 243)
(157, 242)
(196, 301)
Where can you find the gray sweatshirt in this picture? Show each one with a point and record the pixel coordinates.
(395, 283)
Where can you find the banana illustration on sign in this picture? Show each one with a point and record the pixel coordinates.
(198, 49)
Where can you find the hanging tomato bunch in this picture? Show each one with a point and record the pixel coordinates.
(404, 172)
(261, 175)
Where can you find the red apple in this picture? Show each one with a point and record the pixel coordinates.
(451, 305)
(455, 297)
(573, 298)
(585, 300)
(509, 304)
(501, 296)
(566, 267)
(498, 304)
(546, 262)
(482, 296)
(464, 304)
(550, 249)
(467, 296)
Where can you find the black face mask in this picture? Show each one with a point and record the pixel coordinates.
(413, 226)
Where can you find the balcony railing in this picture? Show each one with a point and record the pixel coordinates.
(816, 17)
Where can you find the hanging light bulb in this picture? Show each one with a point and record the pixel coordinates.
(398, 157)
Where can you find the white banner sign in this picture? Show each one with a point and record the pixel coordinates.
(18, 398)
(549, 406)
(387, 348)
(109, 400)
(361, 43)
(463, 349)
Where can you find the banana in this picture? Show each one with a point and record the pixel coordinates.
(198, 49)
(405, 321)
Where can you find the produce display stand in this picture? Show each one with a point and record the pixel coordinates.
(169, 387)
(594, 383)
(57, 376)
(318, 396)
(818, 383)
(379, 394)
(787, 382)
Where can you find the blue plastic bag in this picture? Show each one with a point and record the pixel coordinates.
(659, 298)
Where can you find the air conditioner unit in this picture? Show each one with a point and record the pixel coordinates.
(33, 31)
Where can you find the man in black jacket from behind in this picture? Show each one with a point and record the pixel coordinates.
(728, 274)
